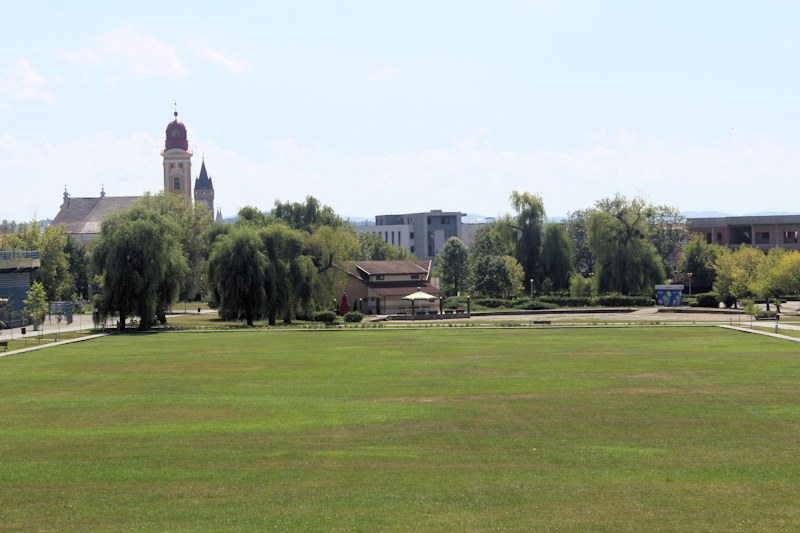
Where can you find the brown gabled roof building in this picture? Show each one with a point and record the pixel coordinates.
(378, 287)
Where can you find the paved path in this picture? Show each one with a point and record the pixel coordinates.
(767, 333)
(49, 344)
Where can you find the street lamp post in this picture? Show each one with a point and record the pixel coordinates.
(531, 288)
(690, 282)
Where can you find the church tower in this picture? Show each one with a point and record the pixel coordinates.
(204, 189)
(177, 160)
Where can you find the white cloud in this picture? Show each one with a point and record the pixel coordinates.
(127, 48)
(23, 83)
(746, 175)
(222, 58)
(126, 167)
(380, 73)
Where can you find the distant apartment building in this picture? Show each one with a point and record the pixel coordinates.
(763, 232)
(422, 234)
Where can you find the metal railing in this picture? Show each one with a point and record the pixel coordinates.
(11, 256)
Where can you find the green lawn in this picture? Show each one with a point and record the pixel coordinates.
(453, 429)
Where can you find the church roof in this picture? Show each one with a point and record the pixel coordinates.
(84, 215)
(203, 182)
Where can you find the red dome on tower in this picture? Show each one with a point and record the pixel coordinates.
(176, 135)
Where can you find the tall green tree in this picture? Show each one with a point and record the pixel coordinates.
(79, 267)
(36, 302)
(453, 265)
(139, 261)
(557, 256)
(308, 215)
(774, 278)
(619, 236)
(668, 232)
(529, 223)
(192, 222)
(491, 277)
(295, 272)
(296, 267)
(241, 276)
(737, 272)
(698, 257)
(577, 226)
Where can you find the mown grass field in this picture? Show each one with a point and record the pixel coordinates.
(676, 429)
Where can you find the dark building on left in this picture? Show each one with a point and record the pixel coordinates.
(15, 281)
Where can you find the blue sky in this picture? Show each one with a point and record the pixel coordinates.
(392, 107)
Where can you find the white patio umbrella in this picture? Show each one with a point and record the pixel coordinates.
(419, 295)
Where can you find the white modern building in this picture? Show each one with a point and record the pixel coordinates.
(422, 234)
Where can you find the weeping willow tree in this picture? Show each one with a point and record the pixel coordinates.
(263, 267)
(529, 223)
(241, 276)
(140, 264)
(557, 256)
(619, 231)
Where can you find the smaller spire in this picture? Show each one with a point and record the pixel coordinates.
(102, 190)
(66, 195)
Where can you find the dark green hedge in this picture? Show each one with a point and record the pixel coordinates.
(353, 316)
(533, 305)
(492, 303)
(707, 299)
(325, 316)
(568, 301)
(619, 300)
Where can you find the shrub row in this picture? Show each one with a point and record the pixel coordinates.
(534, 305)
(707, 299)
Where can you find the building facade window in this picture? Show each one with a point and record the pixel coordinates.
(176, 184)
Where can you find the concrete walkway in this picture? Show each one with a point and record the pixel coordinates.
(50, 344)
(767, 333)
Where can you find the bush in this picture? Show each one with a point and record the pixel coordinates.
(708, 299)
(325, 316)
(620, 300)
(533, 305)
(461, 301)
(353, 316)
(492, 303)
(580, 286)
(729, 301)
(752, 309)
(569, 301)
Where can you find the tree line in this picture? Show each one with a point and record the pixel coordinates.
(745, 273)
(273, 266)
(619, 245)
(291, 262)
